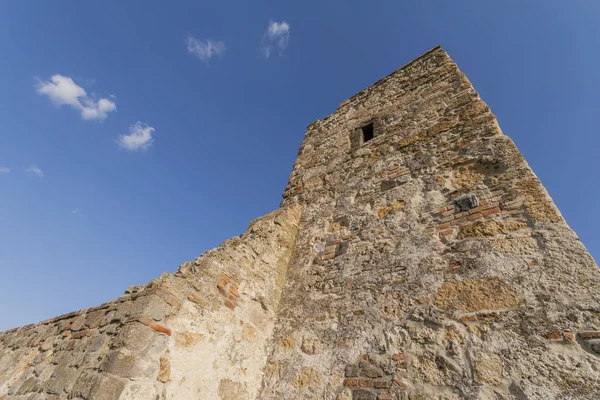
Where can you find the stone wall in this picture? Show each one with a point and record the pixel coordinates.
(430, 263)
(198, 333)
(415, 256)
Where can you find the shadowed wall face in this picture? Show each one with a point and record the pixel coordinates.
(415, 256)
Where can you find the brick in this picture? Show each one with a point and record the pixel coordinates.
(447, 232)
(475, 216)
(230, 304)
(351, 382)
(398, 357)
(448, 218)
(222, 290)
(468, 318)
(458, 221)
(161, 329)
(233, 290)
(447, 213)
(444, 226)
(430, 229)
(570, 336)
(480, 208)
(493, 211)
(553, 336)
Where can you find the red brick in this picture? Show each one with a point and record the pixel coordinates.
(553, 336)
(222, 290)
(430, 229)
(161, 329)
(398, 357)
(447, 232)
(447, 213)
(233, 290)
(351, 382)
(225, 277)
(458, 221)
(468, 318)
(444, 226)
(475, 216)
(230, 304)
(480, 208)
(493, 211)
(570, 336)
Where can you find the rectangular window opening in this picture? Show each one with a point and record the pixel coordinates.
(367, 132)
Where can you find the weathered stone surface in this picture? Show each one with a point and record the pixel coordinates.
(466, 202)
(477, 295)
(425, 263)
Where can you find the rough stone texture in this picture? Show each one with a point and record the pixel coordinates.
(198, 333)
(425, 263)
(433, 253)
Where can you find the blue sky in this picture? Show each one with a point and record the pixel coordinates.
(176, 129)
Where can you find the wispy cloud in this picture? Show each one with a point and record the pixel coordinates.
(4, 170)
(77, 213)
(35, 170)
(139, 137)
(61, 90)
(204, 49)
(277, 36)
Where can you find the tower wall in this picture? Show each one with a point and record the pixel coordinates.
(430, 262)
(415, 256)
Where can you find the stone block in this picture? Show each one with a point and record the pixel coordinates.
(475, 295)
(466, 202)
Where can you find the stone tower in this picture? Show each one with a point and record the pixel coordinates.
(415, 256)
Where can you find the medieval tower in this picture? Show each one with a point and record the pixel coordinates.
(415, 256)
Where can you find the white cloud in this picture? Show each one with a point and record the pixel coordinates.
(204, 49)
(35, 170)
(4, 170)
(77, 212)
(139, 137)
(63, 91)
(276, 36)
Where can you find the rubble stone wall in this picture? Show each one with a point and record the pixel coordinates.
(415, 256)
(198, 333)
(431, 262)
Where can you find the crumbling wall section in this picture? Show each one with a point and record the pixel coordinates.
(198, 333)
(432, 264)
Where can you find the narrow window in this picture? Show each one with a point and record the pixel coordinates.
(367, 132)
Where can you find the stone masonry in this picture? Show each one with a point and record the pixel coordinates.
(415, 256)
